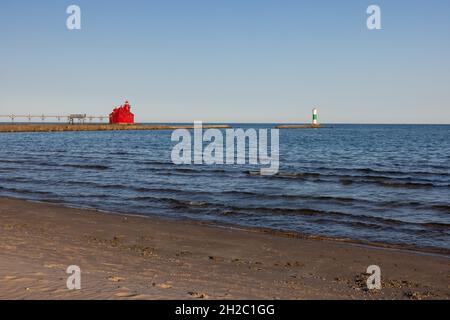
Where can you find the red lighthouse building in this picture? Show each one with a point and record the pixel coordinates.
(122, 115)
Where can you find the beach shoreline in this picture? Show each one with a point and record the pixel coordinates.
(132, 257)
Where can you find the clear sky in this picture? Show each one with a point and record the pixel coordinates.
(228, 60)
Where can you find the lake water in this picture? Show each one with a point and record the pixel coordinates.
(371, 183)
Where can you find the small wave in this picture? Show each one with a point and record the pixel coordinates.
(96, 184)
(122, 153)
(87, 166)
(407, 185)
(89, 196)
(293, 196)
(436, 225)
(10, 161)
(196, 203)
(400, 204)
(154, 162)
(300, 175)
(387, 183)
(368, 171)
(290, 175)
(25, 191)
(29, 162)
(347, 180)
(174, 172)
(173, 201)
(52, 200)
(14, 179)
(441, 207)
(171, 191)
(343, 216)
(188, 203)
(172, 169)
(203, 170)
(283, 211)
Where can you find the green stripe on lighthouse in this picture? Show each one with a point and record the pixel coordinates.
(315, 121)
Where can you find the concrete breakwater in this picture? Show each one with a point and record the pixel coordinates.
(47, 127)
(299, 126)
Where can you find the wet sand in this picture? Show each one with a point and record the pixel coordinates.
(125, 257)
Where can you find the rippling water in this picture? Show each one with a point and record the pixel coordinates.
(377, 183)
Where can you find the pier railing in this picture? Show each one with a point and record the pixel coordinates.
(73, 118)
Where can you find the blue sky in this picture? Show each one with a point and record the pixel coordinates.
(229, 60)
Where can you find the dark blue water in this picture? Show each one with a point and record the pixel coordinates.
(374, 183)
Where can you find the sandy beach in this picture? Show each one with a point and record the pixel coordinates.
(147, 258)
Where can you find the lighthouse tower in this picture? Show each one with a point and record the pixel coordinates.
(122, 115)
(315, 121)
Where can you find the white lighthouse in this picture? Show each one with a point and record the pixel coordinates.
(315, 121)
